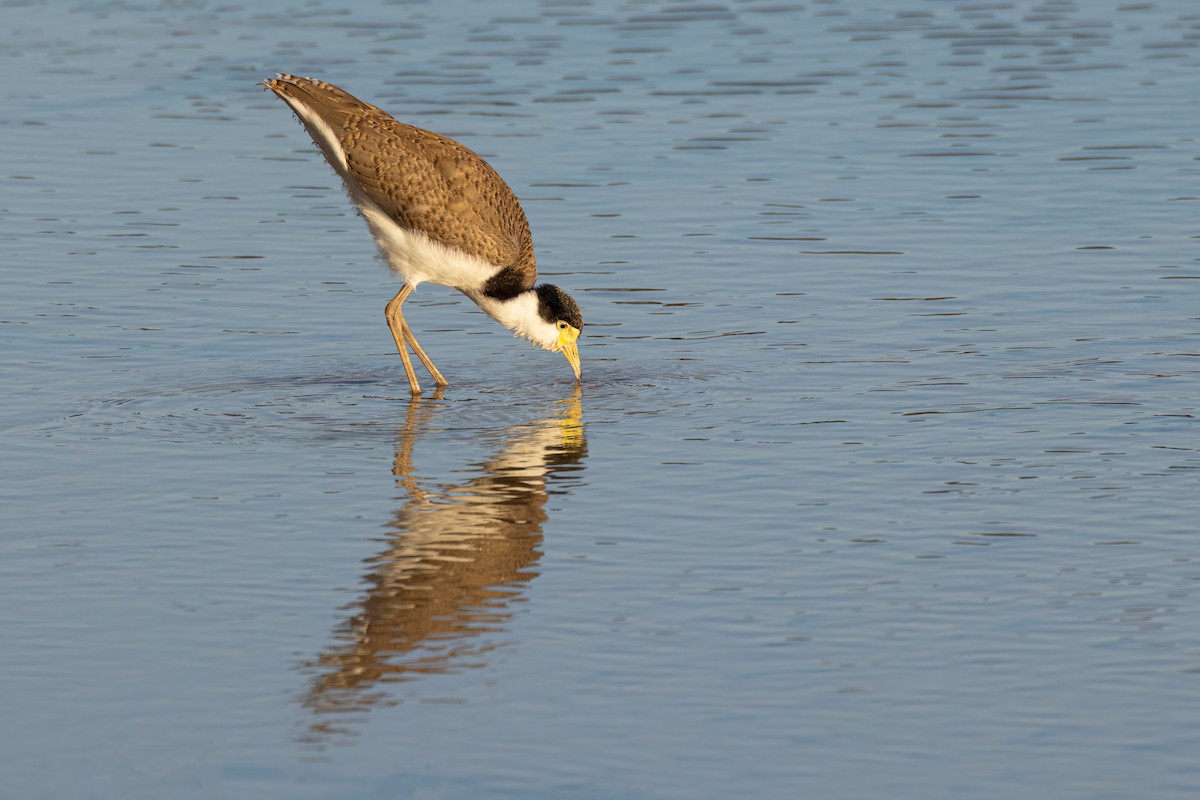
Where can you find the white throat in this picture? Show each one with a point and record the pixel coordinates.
(520, 315)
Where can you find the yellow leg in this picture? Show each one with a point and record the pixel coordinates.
(395, 321)
(411, 338)
(403, 334)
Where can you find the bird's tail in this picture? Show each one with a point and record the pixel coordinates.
(324, 109)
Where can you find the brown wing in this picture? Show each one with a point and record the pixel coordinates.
(422, 180)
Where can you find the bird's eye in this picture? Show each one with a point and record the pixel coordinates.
(562, 326)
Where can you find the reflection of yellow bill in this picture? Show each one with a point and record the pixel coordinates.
(571, 421)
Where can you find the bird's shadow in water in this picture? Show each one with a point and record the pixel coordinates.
(439, 596)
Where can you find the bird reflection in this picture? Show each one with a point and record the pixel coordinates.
(458, 556)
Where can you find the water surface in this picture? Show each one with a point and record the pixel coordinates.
(881, 480)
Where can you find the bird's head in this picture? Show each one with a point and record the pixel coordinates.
(563, 324)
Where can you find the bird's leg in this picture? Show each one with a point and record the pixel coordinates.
(395, 321)
(411, 338)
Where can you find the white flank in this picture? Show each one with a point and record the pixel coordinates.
(416, 257)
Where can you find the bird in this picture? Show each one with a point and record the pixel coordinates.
(438, 213)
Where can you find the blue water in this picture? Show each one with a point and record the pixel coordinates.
(881, 482)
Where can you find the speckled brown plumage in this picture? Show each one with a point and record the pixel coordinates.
(424, 181)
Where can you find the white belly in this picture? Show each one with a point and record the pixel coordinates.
(417, 258)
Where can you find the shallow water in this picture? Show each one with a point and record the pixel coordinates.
(881, 480)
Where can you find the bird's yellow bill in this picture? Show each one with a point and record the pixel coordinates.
(568, 347)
